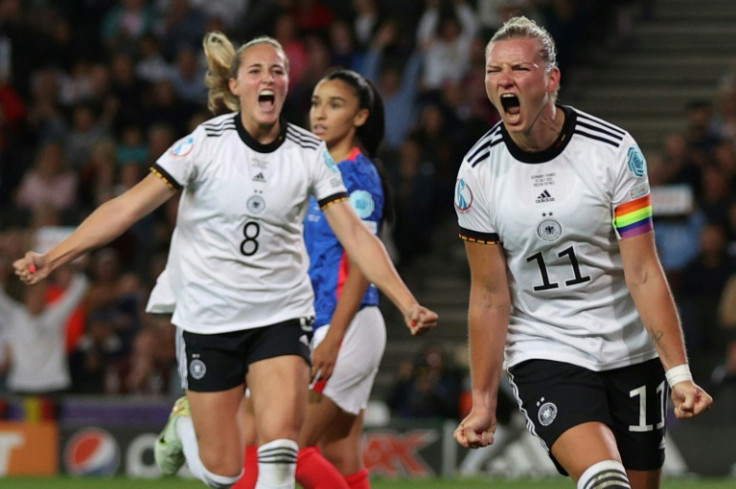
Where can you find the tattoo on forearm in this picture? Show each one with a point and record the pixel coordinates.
(656, 336)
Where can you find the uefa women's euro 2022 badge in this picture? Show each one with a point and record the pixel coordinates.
(463, 195)
(637, 163)
(182, 147)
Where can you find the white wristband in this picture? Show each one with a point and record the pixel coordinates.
(678, 374)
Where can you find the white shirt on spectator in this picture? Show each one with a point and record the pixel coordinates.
(445, 61)
(37, 342)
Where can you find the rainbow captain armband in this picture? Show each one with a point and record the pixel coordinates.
(678, 374)
(634, 218)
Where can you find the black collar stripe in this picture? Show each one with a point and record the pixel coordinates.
(255, 145)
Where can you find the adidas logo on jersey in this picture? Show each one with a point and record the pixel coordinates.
(259, 178)
(544, 197)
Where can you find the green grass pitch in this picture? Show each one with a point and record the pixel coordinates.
(552, 483)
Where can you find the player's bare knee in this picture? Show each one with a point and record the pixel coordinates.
(219, 462)
(609, 474)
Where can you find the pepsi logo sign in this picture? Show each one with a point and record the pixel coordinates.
(92, 452)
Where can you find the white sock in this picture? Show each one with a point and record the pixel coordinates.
(219, 481)
(185, 430)
(277, 464)
(608, 473)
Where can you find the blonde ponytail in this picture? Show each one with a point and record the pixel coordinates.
(220, 55)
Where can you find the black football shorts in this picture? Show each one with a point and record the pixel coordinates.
(218, 362)
(632, 401)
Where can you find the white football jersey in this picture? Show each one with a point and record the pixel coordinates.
(237, 258)
(558, 215)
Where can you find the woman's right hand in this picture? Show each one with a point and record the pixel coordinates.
(32, 268)
(420, 320)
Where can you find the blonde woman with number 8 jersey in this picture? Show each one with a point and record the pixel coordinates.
(237, 268)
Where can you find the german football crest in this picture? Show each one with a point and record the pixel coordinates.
(547, 412)
(197, 369)
(549, 230)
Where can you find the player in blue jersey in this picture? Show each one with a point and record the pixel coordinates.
(349, 336)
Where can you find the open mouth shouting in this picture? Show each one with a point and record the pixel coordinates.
(511, 107)
(267, 100)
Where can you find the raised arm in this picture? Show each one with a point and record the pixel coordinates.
(488, 318)
(367, 251)
(106, 223)
(651, 293)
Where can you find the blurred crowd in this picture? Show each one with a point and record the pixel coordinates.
(695, 229)
(93, 91)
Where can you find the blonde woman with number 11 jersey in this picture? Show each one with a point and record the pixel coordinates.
(567, 292)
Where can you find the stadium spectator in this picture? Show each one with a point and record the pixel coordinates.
(445, 39)
(365, 21)
(730, 226)
(46, 120)
(96, 361)
(126, 22)
(345, 52)
(427, 388)
(127, 97)
(50, 181)
(725, 372)
(398, 84)
(152, 360)
(180, 27)
(87, 128)
(414, 186)
(35, 334)
(701, 283)
(703, 130)
(287, 34)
